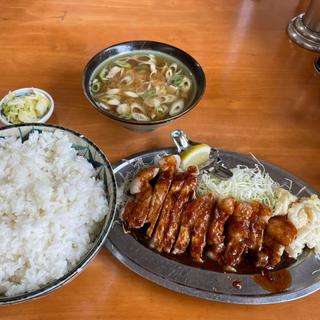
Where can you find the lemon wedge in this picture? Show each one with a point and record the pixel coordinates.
(195, 155)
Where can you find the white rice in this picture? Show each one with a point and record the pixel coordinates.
(50, 209)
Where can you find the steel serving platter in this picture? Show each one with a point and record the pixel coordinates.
(196, 282)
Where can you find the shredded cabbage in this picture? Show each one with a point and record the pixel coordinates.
(246, 184)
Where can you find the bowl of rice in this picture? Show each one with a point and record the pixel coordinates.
(57, 203)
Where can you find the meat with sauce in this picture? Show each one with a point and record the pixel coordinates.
(189, 216)
(178, 222)
(136, 211)
(215, 236)
(159, 234)
(237, 235)
(182, 198)
(258, 222)
(279, 233)
(201, 225)
(168, 169)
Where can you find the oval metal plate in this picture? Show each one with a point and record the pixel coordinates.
(201, 283)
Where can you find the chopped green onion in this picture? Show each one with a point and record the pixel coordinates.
(25, 108)
(103, 74)
(140, 67)
(176, 80)
(96, 86)
(123, 64)
(149, 93)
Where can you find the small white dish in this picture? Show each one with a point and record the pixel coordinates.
(22, 92)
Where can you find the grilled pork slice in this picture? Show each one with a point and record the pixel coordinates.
(258, 222)
(280, 232)
(136, 211)
(183, 197)
(237, 235)
(189, 216)
(168, 169)
(201, 225)
(163, 221)
(215, 236)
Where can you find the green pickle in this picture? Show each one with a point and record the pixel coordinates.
(25, 108)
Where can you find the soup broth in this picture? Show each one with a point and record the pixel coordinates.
(143, 86)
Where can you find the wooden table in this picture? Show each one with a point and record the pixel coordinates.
(262, 97)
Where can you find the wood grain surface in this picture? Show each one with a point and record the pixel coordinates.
(262, 97)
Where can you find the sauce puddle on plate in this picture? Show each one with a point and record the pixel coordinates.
(246, 266)
(276, 281)
(237, 284)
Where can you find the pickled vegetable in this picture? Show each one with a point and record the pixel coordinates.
(25, 108)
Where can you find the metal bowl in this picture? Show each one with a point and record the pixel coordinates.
(127, 47)
(103, 171)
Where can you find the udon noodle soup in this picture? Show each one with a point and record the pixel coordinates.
(143, 86)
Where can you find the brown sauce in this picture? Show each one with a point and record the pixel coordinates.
(246, 266)
(274, 281)
(237, 284)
